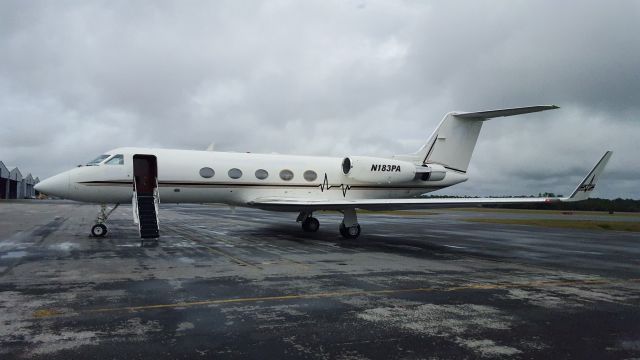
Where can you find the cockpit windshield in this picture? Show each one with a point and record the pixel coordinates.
(115, 160)
(97, 160)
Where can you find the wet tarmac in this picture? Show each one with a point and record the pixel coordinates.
(250, 284)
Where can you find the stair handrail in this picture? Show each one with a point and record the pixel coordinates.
(156, 191)
(156, 201)
(134, 205)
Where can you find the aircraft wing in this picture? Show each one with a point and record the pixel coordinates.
(297, 204)
(581, 192)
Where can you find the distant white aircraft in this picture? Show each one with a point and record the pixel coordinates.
(293, 183)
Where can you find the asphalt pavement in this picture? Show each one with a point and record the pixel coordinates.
(245, 283)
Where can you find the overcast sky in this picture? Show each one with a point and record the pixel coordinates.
(327, 78)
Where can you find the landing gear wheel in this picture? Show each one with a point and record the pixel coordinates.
(310, 224)
(351, 232)
(99, 230)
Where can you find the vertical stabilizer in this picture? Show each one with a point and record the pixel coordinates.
(453, 143)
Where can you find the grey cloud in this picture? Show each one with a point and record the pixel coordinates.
(326, 77)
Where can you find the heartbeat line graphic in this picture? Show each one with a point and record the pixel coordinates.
(588, 187)
(325, 185)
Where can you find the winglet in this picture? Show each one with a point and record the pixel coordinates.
(587, 185)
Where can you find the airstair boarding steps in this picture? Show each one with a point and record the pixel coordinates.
(148, 217)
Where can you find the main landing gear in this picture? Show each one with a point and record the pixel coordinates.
(309, 223)
(100, 228)
(349, 228)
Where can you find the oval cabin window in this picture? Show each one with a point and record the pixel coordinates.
(235, 173)
(207, 172)
(286, 175)
(310, 175)
(262, 174)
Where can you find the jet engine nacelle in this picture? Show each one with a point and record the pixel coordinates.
(378, 170)
(431, 172)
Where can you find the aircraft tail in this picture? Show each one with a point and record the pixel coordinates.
(453, 141)
(584, 189)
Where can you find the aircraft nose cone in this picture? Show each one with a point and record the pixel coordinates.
(57, 185)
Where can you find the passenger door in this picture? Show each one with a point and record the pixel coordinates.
(145, 173)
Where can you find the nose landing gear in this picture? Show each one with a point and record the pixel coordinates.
(100, 228)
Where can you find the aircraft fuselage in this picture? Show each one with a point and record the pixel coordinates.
(181, 178)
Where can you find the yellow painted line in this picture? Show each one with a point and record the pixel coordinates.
(47, 313)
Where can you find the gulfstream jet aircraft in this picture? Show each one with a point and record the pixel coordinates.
(300, 184)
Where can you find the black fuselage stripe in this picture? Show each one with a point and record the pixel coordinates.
(205, 184)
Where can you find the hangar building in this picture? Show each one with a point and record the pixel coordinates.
(13, 185)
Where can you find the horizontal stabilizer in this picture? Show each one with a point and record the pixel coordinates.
(453, 141)
(505, 112)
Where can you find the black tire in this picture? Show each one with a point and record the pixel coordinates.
(348, 233)
(356, 232)
(343, 230)
(99, 230)
(310, 224)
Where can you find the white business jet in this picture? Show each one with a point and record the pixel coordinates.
(301, 184)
